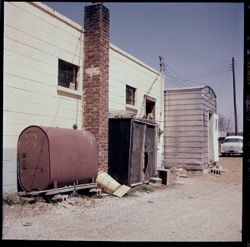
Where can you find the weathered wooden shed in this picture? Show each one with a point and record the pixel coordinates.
(190, 128)
(132, 150)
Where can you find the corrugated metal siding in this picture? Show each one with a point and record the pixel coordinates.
(186, 116)
(210, 105)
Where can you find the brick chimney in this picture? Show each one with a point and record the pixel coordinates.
(96, 77)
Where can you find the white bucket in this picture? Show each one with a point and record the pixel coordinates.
(105, 181)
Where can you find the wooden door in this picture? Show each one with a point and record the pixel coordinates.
(136, 152)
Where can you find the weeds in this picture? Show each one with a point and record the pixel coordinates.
(140, 188)
(9, 201)
(16, 200)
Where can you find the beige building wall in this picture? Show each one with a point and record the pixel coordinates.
(35, 37)
(125, 69)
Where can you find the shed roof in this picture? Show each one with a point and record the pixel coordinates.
(202, 87)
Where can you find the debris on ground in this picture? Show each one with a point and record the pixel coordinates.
(95, 191)
(121, 191)
(27, 224)
(106, 182)
(108, 218)
(59, 198)
(181, 172)
(155, 181)
(217, 170)
(147, 188)
(110, 185)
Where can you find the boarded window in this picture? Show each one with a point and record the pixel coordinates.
(130, 95)
(67, 74)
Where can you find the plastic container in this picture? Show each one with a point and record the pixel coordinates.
(106, 182)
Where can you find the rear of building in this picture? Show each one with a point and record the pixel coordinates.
(190, 128)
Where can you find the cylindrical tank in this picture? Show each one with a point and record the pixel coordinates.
(54, 157)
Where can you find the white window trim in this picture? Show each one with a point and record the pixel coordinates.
(69, 90)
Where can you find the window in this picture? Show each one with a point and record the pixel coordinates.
(130, 95)
(149, 112)
(67, 74)
(233, 140)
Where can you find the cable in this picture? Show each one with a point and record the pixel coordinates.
(147, 94)
(80, 40)
(180, 82)
(174, 79)
(206, 74)
(213, 74)
(81, 53)
(178, 77)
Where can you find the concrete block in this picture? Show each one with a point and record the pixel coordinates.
(166, 176)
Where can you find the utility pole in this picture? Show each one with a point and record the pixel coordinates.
(162, 64)
(235, 107)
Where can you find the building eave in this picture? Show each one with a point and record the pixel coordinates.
(132, 58)
(57, 15)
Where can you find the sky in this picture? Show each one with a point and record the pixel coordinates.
(196, 40)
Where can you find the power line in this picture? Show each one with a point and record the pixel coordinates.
(201, 75)
(175, 80)
(171, 73)
(177, 76)
(178, 83)
(212, 74)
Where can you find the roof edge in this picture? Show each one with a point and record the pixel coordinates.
(57, 15)
(79, 28)
(134, 59)
(191, 88)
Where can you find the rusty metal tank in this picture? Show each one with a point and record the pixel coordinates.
(54, 157)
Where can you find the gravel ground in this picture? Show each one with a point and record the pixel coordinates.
(197, 208)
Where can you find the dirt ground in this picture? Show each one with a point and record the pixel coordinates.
(196, 208)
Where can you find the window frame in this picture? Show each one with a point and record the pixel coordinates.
(130, 102)
(68, 75)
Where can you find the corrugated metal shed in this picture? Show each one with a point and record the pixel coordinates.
(186, 126)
